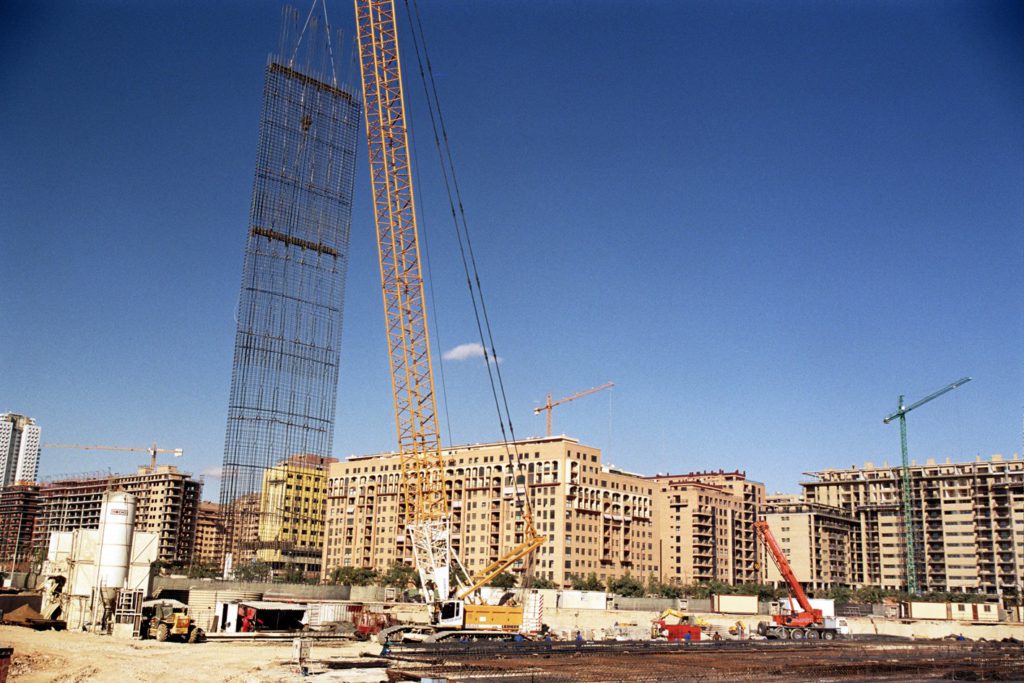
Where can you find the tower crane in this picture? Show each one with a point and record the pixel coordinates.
(152, 450)
(549, 406)
(424, 508)
(908, 509)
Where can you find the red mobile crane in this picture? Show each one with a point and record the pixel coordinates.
(807, 623)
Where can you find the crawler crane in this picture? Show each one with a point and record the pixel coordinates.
(425, 511)
(807, 623)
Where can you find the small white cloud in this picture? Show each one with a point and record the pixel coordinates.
(464, 352)
(213, 472)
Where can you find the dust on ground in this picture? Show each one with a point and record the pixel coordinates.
(73, 657)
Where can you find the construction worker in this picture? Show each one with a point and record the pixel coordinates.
(579, 640)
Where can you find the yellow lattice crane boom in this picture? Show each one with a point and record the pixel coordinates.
(425, 507)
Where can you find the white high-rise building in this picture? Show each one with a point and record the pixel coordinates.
(19, 448)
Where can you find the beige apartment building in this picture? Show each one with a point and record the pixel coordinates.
(597, 519)
(704, 527)
(817, 539)
(968, 523)
(19, 510)
(209, 544)
(167, 505)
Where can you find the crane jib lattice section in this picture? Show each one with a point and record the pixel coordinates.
(398, 249)
(287, 344)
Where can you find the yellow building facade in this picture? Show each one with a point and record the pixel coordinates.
(290, 535)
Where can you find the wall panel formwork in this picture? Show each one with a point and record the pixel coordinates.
(287, 343)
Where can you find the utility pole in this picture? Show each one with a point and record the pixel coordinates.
(908, 509)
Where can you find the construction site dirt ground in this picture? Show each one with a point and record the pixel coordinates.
(69, 657)
(870, 659)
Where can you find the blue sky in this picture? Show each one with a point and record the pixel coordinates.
(762, 221)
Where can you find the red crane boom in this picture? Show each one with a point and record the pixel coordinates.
(808, 616)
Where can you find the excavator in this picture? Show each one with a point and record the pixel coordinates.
(807, 622)
(450, 591)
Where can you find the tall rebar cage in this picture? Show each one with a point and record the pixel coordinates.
(284, 378)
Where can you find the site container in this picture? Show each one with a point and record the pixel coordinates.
(319, 614)
(928, 610)
(985, 611)
(208, 607)
(961, 611)
(734, 604)
(582, 600)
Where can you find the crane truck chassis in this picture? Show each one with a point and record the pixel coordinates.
(827, 630)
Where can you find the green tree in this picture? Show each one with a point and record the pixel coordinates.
(869, 595)
(627, 586)
(591, 583)
(841, 594)
(202, 570)
(257, 570)
(400, 575)
(504, 580)
(705, 589)
(663, 590)
(294, 573)
(764, 592)
(543, 582)
(353, 576)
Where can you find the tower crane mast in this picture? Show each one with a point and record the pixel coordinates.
(908, 508)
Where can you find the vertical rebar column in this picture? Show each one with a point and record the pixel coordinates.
(287, 345)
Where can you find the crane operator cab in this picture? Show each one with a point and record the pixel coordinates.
(450, 614)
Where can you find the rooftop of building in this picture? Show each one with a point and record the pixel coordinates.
(17, 418)
(92, 479)
(450, 450)
(307, 460)
(870, 470)
(778, 505)
(734, 474)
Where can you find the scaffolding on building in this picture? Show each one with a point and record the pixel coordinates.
(287, 344)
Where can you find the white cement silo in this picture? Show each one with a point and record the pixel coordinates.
(117, 521)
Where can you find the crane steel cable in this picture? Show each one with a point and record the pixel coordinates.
(470, 268)
(430, 284)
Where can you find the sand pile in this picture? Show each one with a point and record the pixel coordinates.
(22, 615)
